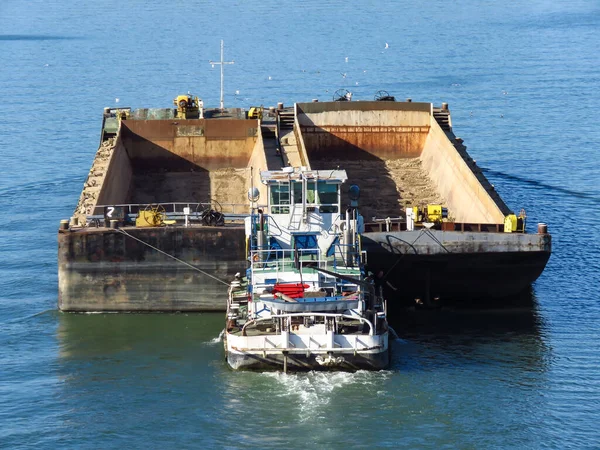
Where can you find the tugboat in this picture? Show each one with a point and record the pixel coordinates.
(305, 302)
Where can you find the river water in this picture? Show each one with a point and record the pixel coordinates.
(522, 80)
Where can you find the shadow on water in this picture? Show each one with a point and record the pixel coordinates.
(518, 313)
(544, 186)
(107, 335)
(511, 336)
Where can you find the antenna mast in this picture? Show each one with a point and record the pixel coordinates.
(222, 64)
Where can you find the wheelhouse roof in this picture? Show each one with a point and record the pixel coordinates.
(296, 173)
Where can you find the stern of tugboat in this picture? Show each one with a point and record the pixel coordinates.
(309, 343)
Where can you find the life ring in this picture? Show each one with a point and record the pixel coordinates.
(255, 257)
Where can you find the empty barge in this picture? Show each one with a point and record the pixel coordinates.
(160, 221)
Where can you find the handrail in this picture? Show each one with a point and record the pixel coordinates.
(280, 258)
(282, 253)
(269, 219)
(334, 223)
(310, 314)
(284, 256)
(284, 261)
(177, 207)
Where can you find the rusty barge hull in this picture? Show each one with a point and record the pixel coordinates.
(102, 269)
(401, 154)
(439, 267)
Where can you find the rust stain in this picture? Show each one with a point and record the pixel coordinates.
(362, 142)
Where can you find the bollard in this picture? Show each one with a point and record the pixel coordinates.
(114, 224)
(542, 228)
(64, 225)
(280, 105)
(444, 106)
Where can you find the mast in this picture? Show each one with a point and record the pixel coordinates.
(222, 64)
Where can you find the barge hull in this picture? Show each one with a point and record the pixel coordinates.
(456, 267)
(106, 270)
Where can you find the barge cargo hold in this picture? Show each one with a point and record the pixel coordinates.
(159, 224)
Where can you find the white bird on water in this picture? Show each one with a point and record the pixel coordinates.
(346, 59)
(387, 45)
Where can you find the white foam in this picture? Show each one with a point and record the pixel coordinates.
(314, 390)
(218, 339)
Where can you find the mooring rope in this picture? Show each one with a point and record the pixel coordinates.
(402, 255)
(174, 257)
(432, 236)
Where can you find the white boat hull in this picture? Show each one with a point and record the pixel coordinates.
(307, 352)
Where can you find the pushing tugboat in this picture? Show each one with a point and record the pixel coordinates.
(305, 303)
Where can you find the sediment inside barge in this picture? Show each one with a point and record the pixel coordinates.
(387, 187)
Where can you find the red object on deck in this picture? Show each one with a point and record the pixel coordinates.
(294, 290)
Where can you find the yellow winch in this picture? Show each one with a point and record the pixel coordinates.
(255, 112)
(430, 213)
(188, 107)
(152, 216)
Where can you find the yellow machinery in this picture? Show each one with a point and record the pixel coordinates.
(152, 216)
(255, 112)
(123, 113)
(513, 224)
(510, 223)
(435, 213)
(430, 213)
(188, 107)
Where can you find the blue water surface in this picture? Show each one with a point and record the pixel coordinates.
(523, 83)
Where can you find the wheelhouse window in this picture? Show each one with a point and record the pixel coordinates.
(310, 192)
(328, 197)
(325, 195)
(280, 198)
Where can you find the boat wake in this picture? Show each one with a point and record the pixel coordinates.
(217, 339)
(311, 392)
